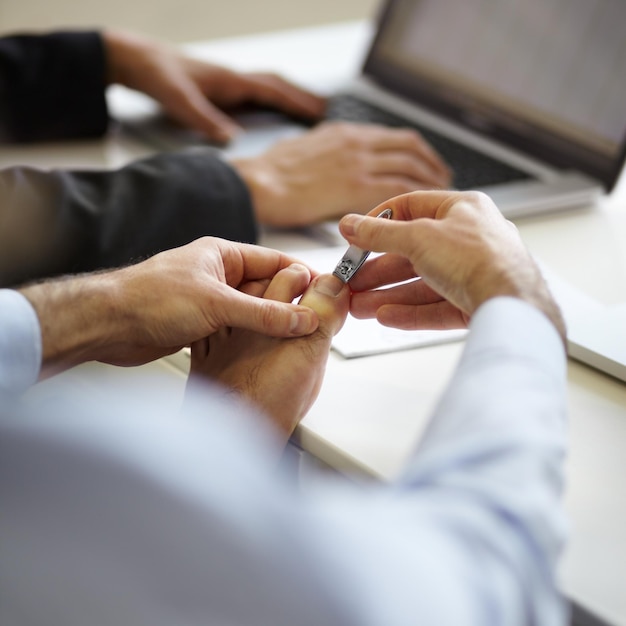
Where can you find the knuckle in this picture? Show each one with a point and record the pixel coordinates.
(476, 197)
(348, 131)
(411, 137)
(269, 315)
(477, 200)
(359, 180)
(414, 135)
(404, 186)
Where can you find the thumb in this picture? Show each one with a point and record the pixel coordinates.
(370, 233)
(329, 297)
(268, 317)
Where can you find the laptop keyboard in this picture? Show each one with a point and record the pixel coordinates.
(472, 169)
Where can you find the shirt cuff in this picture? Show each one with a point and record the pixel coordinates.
(510, 325)
(20, 343)
(508, 387)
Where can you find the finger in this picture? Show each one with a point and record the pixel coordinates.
(288, 283)
(329, 297)
(255, 288)
(415, 145)
(379, 235)
(409, 166)
(268, 317)
(366, 304)
(406, 140)
(188, 105)
(431, 203)
(274, 91)
(436, 316)
(392, 235)
(383, 270)
(246, 262)
(200, 349)
(382, 186)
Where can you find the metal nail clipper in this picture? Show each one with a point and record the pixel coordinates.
(354, 257)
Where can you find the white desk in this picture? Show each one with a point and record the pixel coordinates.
(371, 411)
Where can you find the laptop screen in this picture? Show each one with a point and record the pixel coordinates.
(548, 76)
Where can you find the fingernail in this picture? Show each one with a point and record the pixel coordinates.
(328, 285)
(349, 224)
(302, 323)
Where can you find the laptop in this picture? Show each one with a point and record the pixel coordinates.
(537, 89)
(525, 99)
(599, 340)
(596, 333)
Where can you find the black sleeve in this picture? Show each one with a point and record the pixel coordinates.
(61, 222)
(52, 87)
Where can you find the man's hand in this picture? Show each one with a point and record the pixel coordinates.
(281, 376)
(193, 92)
(460, 248)
(336, 168)
(146, 311)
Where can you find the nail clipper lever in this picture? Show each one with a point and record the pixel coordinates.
(354, 257)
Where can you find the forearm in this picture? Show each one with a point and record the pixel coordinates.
(52, 87)
(495, 450)
(78, 318)
(438, 548)
(477, 513)
(471, 533)
(63, 222)
(510, 382)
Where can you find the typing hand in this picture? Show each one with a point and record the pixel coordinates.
(336, 168)
(194, 92)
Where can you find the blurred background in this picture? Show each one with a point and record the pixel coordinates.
(180, 20)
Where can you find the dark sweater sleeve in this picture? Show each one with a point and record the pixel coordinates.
(61, 222)
(52, 86)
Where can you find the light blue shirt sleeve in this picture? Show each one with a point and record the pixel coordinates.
(20, 343)
(113, 513)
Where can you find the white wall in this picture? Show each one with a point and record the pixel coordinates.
(180, 20)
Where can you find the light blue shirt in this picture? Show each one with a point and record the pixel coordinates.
(113, 513)
(20, 342)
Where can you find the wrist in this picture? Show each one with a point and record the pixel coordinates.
(121, 48)
(78, 317)
(530, 287)
(263, 187)
(544, 302)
